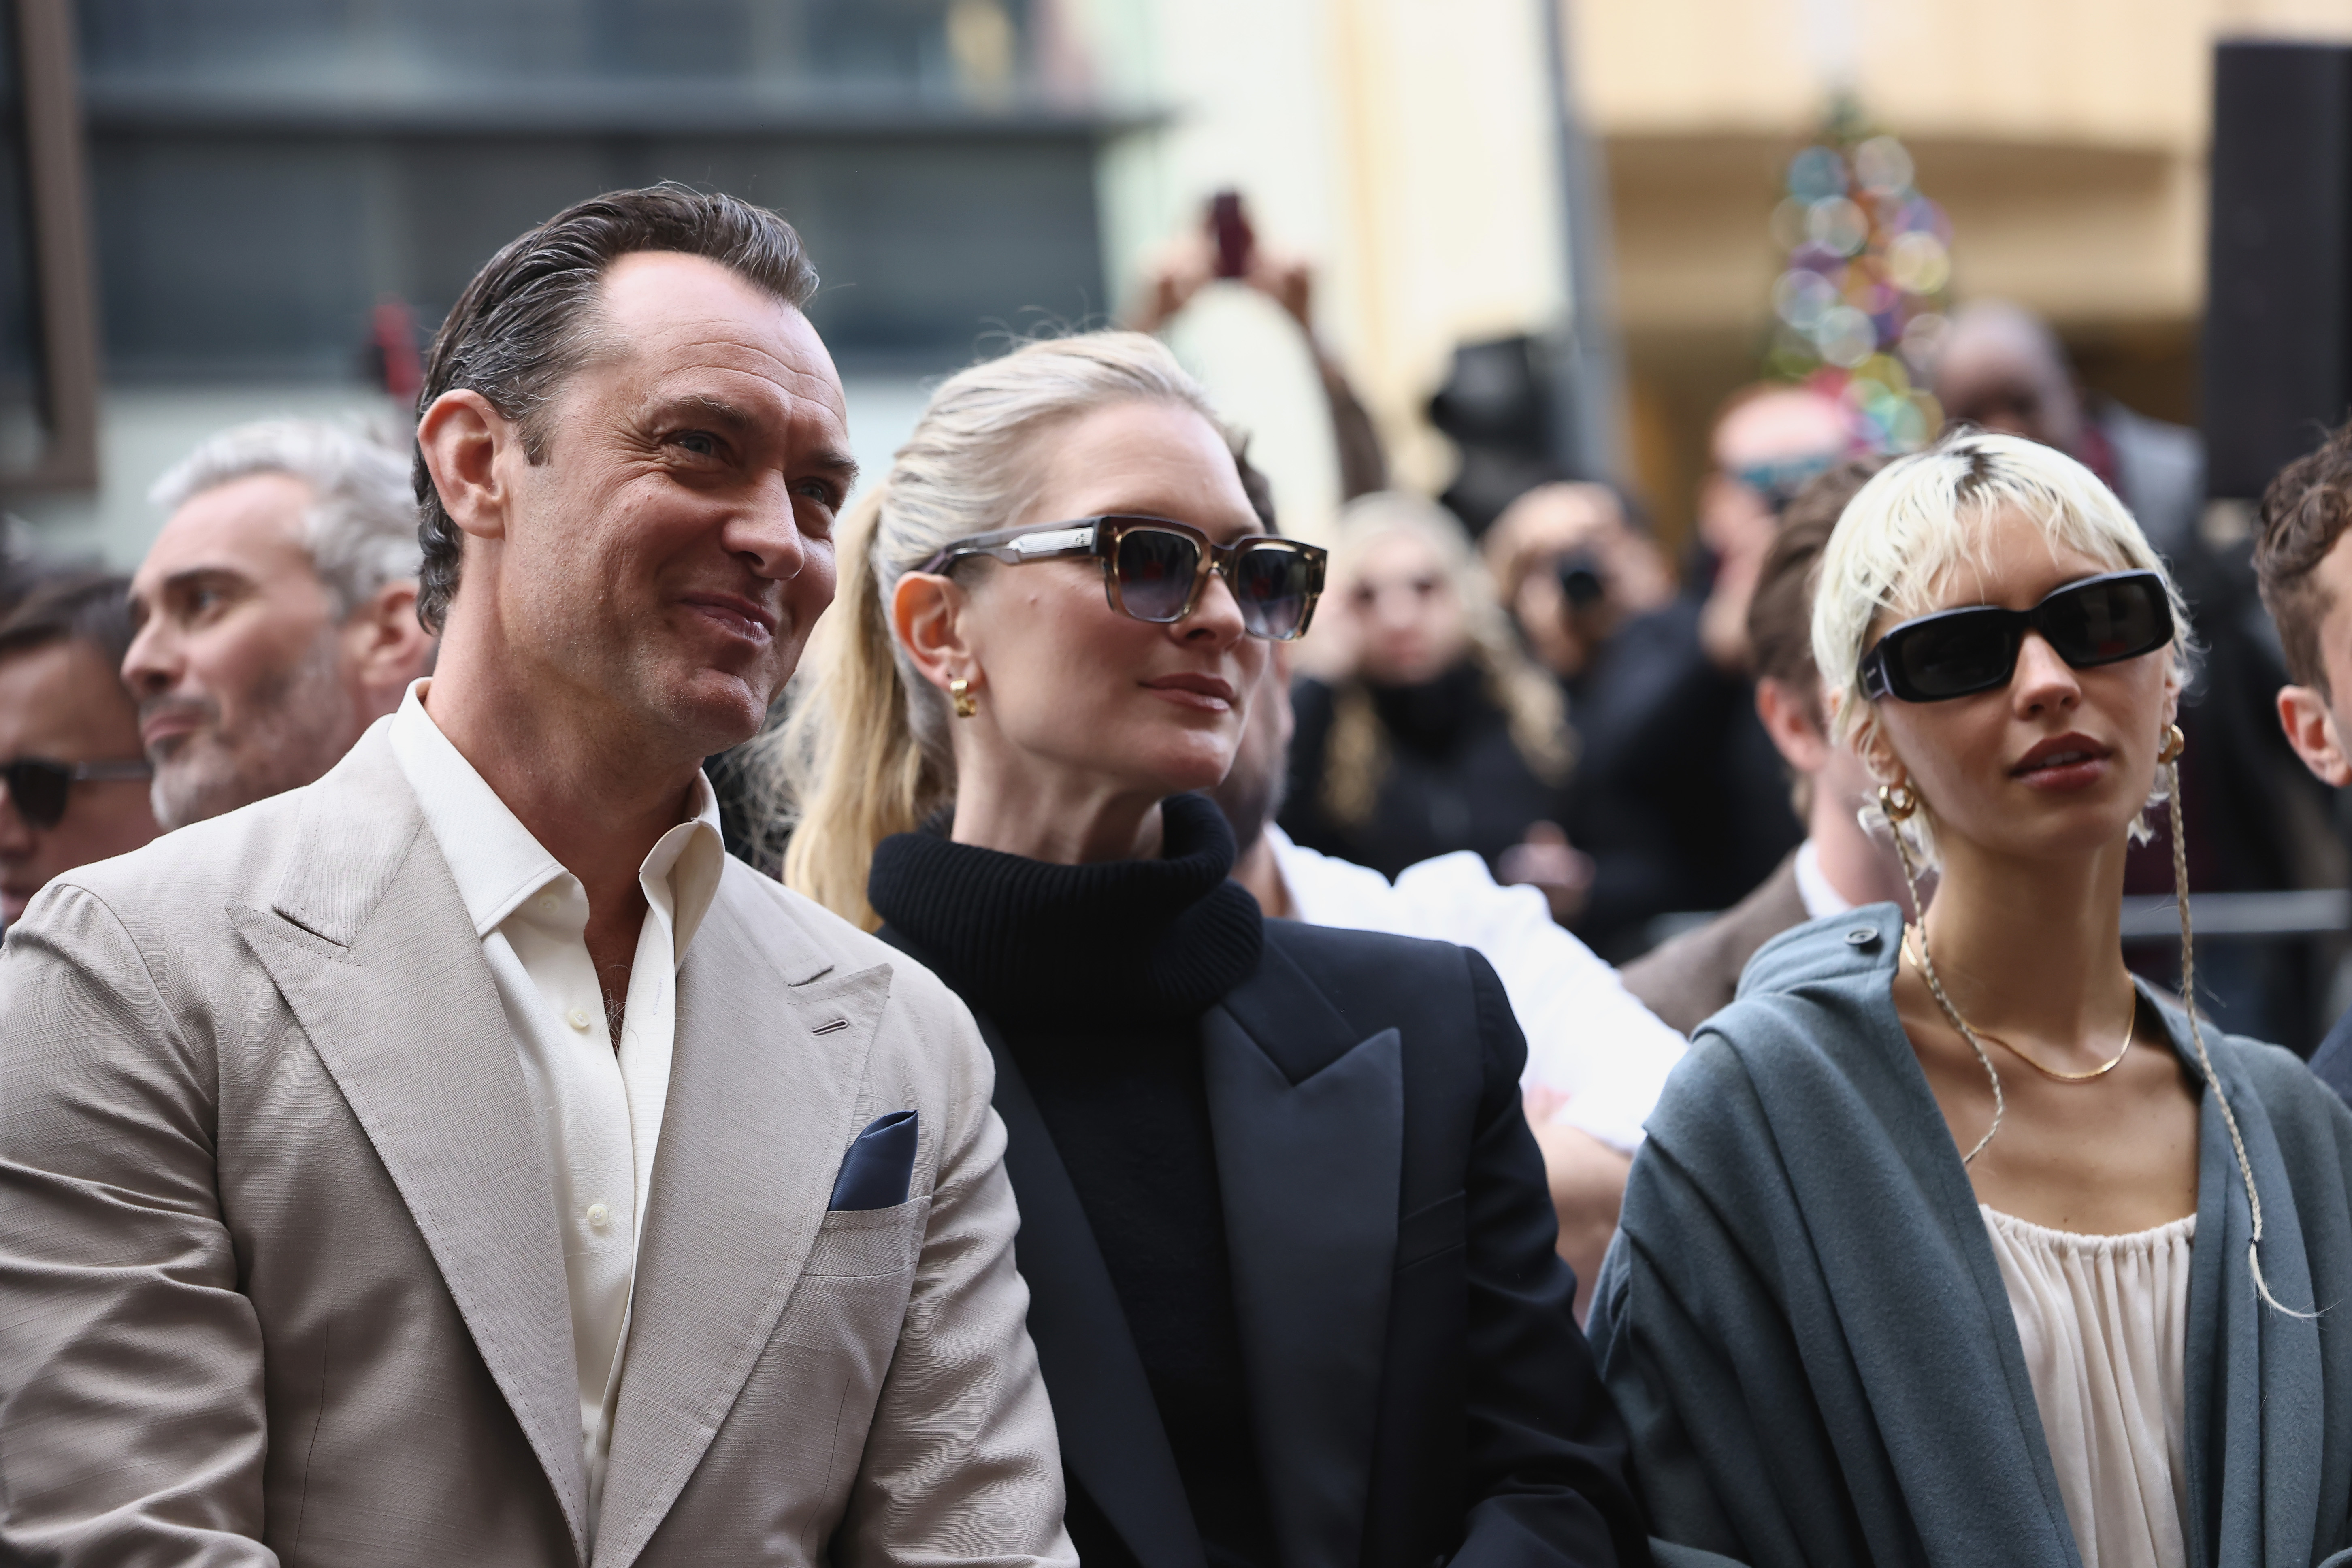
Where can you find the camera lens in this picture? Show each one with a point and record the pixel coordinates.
(1579, 580)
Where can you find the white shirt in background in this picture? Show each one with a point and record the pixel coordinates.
(1813, 885)
(1587, 1037)
(599, 1108)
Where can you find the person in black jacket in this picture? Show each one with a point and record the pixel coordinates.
(1285, 1230)
(1441, 734)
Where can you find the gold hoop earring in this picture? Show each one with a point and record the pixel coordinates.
(1898, 801)
(2175, 742)
(960, 692)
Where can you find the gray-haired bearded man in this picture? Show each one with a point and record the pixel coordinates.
(276, 613)
(462, 1159)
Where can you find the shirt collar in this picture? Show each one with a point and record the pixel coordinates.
(497, 863)
(1814, 887)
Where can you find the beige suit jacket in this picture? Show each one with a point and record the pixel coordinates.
(279, 1267)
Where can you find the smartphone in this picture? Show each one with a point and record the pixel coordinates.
(1229, 227)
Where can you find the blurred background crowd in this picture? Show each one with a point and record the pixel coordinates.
(1542, 315)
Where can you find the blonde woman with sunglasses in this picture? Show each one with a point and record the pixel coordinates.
(1953, 1243)
(1286, 1232)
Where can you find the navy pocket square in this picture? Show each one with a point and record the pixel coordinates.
(880, 1165)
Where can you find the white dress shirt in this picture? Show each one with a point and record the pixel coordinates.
(1813, 885)
(599, 1106)
(1588, 1037)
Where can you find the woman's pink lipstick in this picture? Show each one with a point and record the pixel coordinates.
(2064, 763)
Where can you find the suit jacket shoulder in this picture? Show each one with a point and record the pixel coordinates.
(1694, 975)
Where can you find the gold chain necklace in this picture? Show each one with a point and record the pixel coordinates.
(2131, 1026)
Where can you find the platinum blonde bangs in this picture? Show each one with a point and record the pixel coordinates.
(1920, 519)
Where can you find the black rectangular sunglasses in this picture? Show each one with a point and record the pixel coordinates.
(1155, 570)
(39, 787)
(1955, 653)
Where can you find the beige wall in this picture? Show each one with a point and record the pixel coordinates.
(2065, 138)
(1404, 146)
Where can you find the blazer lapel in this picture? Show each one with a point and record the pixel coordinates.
(1309, 1127)
(1111, 1437)
(1109, 1424)
(369, 942)
(760, 1111)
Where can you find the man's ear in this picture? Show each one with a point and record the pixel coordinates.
(1788, 718)
(927, 612)
(462, 438)
(2310, 729)
(384, 648)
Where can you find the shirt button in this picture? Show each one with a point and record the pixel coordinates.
(599, 1216)
(579, 1016)
(1862, 936)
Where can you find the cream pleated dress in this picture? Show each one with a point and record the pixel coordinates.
(2103, 1321)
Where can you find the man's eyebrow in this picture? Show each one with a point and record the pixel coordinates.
(836, 463)
(197, 576)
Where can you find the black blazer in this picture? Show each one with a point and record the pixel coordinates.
(1419, 1388)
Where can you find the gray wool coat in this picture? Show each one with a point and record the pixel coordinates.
(1803, 1323)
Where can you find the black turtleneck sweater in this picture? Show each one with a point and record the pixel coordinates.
(1095, 976)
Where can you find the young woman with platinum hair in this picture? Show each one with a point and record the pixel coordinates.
(1951, 1242)
(1285, 1233)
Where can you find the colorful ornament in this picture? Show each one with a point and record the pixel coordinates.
(1859, 306)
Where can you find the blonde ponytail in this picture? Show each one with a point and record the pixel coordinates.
(863, 751)
(853, 769)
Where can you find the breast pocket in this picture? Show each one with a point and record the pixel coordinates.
(1432, 1231)
(858, 1244)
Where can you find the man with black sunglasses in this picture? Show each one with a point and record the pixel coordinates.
(73, 787)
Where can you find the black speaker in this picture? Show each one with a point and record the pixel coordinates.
(2278, 311)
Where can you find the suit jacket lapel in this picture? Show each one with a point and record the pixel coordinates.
(1309, 1126)
(759, 1115)
(369, 942)
(1108, 1422)
(1111, 1437)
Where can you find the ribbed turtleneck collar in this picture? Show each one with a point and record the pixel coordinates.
(1028, 940)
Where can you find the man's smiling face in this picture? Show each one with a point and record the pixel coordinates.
(670, 550)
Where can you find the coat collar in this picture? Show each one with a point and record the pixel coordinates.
(760, 1107)
(1309, 1127)
(1308, 1117)
(365, 921)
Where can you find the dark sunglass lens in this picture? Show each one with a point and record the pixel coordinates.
(2102, 623)
(1270, 583)
(1954, 655)
(38, 790)
(1156, 570)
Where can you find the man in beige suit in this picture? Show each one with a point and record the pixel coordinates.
(460, 1159)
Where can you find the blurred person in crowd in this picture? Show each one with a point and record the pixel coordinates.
(73, 787)
(276, 612)
(1596, 1058)
(1839, 865)
(2303, 555)
(1442, 735)
(2259, 819)
(466, 1159)
(2000, 368)
(1224, 248)
(1678, 793)
(1572, 568)
(1951, 1242)
(1287, 1235)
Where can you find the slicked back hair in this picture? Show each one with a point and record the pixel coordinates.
(527, 321)
(2304, 512)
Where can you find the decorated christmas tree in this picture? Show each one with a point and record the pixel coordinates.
(1859, 304)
